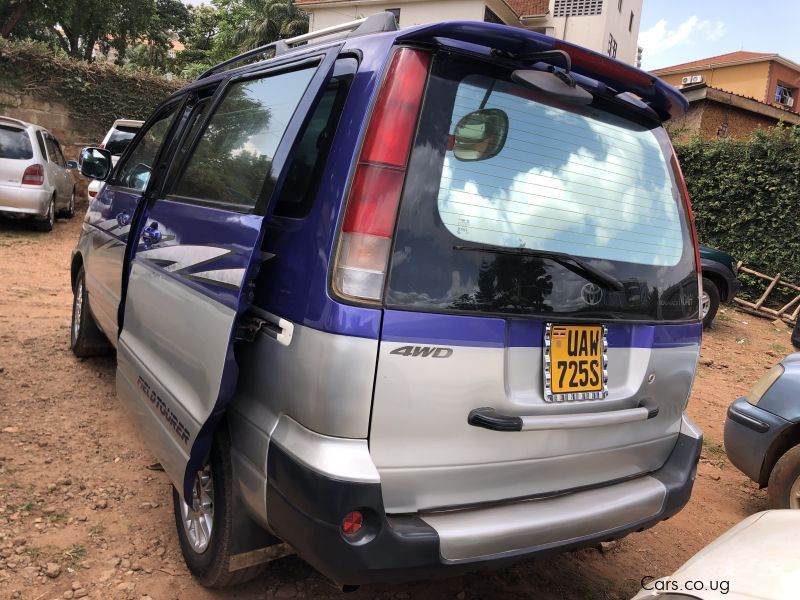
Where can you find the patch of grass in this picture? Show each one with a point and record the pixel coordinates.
(97, 530)
(25, 507)
(723, 317)
(56, 517)
(33, 552)
(75, 554)
(713, 448)
(714, 452)
(779, 348)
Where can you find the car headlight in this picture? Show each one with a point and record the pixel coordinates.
(762, 385)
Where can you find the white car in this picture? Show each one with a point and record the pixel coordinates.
(755, 560)
(35, 178)
(116, 140)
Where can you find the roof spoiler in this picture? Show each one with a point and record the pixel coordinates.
(377, 23)
(513, 42)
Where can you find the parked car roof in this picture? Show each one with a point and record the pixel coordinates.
(128, 123)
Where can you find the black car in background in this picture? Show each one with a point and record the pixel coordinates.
(719, 281)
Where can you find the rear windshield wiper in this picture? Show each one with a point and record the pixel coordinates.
(573, 263)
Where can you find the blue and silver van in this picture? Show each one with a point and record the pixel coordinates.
(408, 301)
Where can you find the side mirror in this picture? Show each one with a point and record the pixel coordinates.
(95, 163)
(480, 135)
(72, 164)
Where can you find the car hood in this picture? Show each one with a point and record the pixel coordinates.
(757, 557)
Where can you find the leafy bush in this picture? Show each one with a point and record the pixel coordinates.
(96, 93)
(746, 197)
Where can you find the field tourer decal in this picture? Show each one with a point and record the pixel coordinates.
(170, 417)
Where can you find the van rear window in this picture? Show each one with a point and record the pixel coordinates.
(590, 182)
(120, 137)
(15, 143)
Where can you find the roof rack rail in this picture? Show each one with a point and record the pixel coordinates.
(377, 23)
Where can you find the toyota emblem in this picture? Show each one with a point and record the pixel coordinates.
(591, 294)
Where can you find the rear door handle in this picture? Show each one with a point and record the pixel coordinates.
(490, 418)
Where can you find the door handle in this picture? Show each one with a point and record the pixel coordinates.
(123, 218)
(490, 418)
(151, 235)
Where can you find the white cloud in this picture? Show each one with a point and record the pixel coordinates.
(658, 39)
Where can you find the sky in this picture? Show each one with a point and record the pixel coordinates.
(677, 31)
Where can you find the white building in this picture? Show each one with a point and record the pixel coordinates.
(607, 26)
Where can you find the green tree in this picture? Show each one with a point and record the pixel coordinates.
(12, 14)
(77, 27)
(251, 23)
(203, 26)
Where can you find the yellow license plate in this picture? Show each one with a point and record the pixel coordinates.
(575, 362)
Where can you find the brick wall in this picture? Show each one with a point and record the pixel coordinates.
(712, 120)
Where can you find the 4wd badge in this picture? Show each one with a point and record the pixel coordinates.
(424, 351)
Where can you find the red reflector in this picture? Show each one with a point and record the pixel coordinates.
(394, 117)
(101, 145)
(92, 194)
(352, 523)
(378, 192)
(33, 175)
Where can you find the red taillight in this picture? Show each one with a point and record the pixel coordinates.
(101, 145)
(33, 175)
(92, 193)
(352, 523)
(378, 181)
(676, 168)
(378, 192)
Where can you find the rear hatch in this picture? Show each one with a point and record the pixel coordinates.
(541, 326)
(16, 152)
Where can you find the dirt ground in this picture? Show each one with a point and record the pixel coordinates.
(81, 516)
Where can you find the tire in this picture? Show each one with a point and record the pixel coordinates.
(69, 211)
(86, 339)
(709, 302)
(47, 222)
(209, 563)
(796, 335)
(783, 489)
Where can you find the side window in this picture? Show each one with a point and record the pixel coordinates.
(232, 159)
(40, 142)
(135, 172)
(305, 170)
(61, 160)
(52, 151)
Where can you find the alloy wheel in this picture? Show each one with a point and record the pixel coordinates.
(794, 494)
(77, 310)
(198, 519)
(705, 304)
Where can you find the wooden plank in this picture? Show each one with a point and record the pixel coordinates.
(768, 278)
(789, 305)
(795, 314)
(768, 291)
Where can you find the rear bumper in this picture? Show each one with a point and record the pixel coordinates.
(24, 200)
(305, 509)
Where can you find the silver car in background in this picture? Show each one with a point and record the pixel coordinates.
(116, 141)
(35, 178)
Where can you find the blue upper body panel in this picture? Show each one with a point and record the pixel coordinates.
(294, 282)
